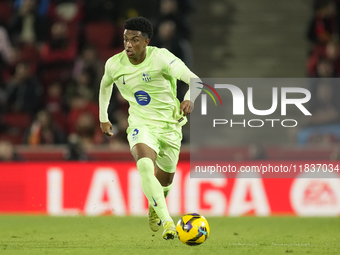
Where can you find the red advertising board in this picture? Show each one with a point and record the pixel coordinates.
(97, 188)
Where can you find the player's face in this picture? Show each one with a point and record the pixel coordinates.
(135, 44)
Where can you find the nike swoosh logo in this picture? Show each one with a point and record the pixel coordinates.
(154, 202)
(123, 80)
(172, 61)
(160, 222)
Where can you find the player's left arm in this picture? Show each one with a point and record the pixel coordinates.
(187, 105)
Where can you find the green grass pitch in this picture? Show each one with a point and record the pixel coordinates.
(131, 235)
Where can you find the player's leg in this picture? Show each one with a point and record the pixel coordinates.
(166, 164)
(145, 158)
(139, 151)
(165, 180)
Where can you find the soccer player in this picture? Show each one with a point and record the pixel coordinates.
(146, 77)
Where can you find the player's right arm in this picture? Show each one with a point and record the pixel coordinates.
(105, 92)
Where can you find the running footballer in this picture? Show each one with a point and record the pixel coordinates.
(146, 77)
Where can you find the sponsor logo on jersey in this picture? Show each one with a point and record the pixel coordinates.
(146, 77)
(142, 97)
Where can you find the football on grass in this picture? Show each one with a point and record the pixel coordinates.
(193, 229)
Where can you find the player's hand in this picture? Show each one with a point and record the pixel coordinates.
(106, 127)
(186, 107)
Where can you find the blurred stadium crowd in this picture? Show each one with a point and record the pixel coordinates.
(323, 127)
(52, 54)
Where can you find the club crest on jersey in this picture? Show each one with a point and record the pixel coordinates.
(142, 97)
(146, 77)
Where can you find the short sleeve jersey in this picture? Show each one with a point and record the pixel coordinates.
(149, 87)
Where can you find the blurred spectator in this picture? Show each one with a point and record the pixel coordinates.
(167, 38)
(7, 152)
(324, 124)
(83, 86)
(325, 68)
(87, 129)
(325, 61)
(117, 103)
(7, 57)
(169, 11)
(23, 91)
(44, 131)
(324, 26)
(68, 11)
(324, 106)
(102, 10)
(118, 114)
(7, 54)
(88, 61)
(42, 6)
(75, 149)
(79, 105)
(119, 139)
(60, 47)
(55, 105)
(27, 26)
(185, 6)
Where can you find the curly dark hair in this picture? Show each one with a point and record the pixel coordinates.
(139, 24)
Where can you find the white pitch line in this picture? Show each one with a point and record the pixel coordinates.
(283, 244)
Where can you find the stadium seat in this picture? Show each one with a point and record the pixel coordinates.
(105, 155)
(105, 54)
(100, 34)
(19, 121)
(16, 124)
(14, 138)
(57, 73)
(6, 11)
(42, 153)
(29, 53)
(298, 153)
